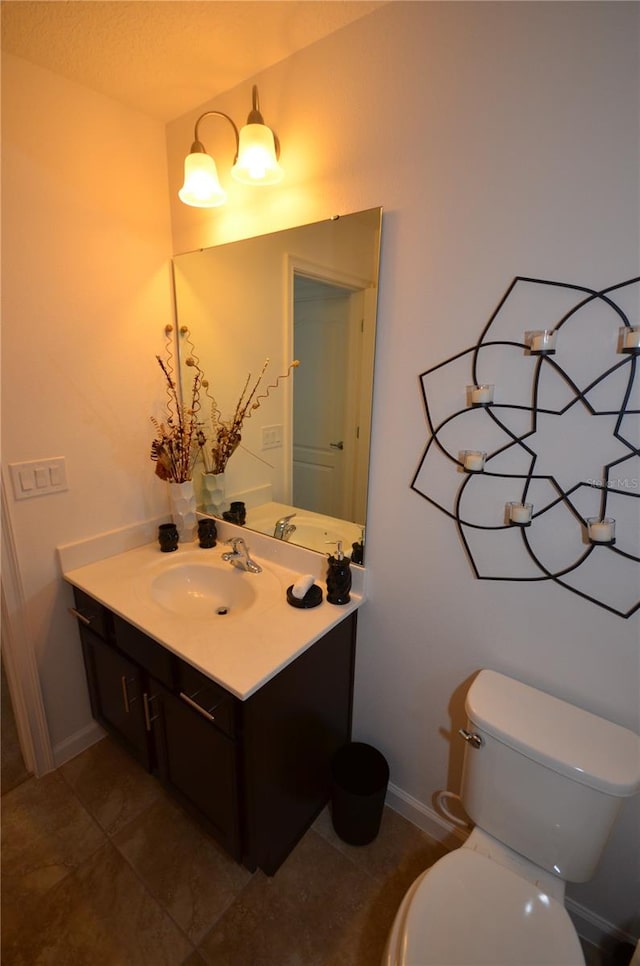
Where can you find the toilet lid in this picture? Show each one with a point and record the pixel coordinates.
(467, 909)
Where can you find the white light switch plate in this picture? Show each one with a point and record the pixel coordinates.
(271, 437)
(38, 477)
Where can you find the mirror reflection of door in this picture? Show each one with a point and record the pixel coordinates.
(327, 331)
(237, 301)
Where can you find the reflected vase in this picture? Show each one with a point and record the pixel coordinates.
(183, 509)
(213, 493)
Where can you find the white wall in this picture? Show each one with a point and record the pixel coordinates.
(85, 298)
(501, 139)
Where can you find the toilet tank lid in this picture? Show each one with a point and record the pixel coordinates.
(567, 739)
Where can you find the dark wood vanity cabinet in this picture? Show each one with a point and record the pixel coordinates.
(257, 772)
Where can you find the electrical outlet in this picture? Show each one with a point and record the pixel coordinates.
(38, 477)
(271, 437)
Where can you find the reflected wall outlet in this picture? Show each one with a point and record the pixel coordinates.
(38, 477)
(271, 437)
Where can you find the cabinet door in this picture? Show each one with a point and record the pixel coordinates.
(293, 726)
(116, 692)
(197, 763)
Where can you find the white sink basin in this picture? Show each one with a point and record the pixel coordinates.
(208, 588)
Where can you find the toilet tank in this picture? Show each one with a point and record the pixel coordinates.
(548, 778)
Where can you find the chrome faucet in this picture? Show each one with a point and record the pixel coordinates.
(283, 529)
(239, 557)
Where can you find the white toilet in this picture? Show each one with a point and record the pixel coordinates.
(543, 782)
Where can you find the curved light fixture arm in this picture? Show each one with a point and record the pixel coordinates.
(198, 147)
(255, 117)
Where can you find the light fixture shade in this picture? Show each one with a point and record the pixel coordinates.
(257, 162)
(201, 188)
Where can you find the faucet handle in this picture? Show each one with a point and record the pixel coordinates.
(236, 542)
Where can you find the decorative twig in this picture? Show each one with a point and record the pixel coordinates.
(180, 439)
(224, 434)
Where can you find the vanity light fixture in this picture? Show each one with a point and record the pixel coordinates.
(255, 161)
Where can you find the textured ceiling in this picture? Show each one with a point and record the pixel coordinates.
(166, 57)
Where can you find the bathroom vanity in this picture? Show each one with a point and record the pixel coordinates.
(249, 756)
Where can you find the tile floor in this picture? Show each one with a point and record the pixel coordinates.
(12, 770)
(101, 868)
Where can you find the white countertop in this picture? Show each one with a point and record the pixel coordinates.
(240, 651)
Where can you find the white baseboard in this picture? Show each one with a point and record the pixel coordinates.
(425, 817)
(594, 929)
(77, 743)
(589, 925)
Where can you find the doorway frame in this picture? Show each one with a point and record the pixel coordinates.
(295, 264)
(20, 660)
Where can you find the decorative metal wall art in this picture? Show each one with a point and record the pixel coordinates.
(540, 468)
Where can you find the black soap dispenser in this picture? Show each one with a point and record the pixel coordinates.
(338, 577)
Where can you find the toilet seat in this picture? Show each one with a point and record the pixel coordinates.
(467, 909)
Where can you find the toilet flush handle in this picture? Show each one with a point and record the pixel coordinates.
(475, 740)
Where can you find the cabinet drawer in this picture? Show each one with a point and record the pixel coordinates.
(144, 651)
(196, 688)
(92, 614)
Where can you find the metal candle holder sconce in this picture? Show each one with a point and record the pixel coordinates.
(588, 502)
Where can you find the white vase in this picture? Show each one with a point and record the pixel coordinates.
(183, 509)
(213, 493)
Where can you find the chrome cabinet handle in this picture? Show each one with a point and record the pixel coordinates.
(198, 707)
(83, 620)
(474, 740)
(125, 696)
(126, 700)
(146, 701)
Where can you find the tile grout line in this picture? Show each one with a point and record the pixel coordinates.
(109, 840)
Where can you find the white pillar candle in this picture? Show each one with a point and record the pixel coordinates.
(474, 460)
(631, 337)
(520, 512)
(601, 531)
(481, 395)
(543, 341)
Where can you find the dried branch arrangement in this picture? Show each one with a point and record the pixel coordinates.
(180, 437)
(226, 434)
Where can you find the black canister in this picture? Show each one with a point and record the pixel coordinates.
(207, 532)
(237, 513)
(357, 553)
(168, 537)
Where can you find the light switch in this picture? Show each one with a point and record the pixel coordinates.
(271, 437)
(26, 480)
(56, 476)
(38, 477)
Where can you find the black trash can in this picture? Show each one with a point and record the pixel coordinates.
(360, 775)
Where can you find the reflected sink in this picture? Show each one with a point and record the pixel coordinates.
(203, 590)
(315, 531)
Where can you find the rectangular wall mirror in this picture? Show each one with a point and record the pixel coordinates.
(310, 294)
